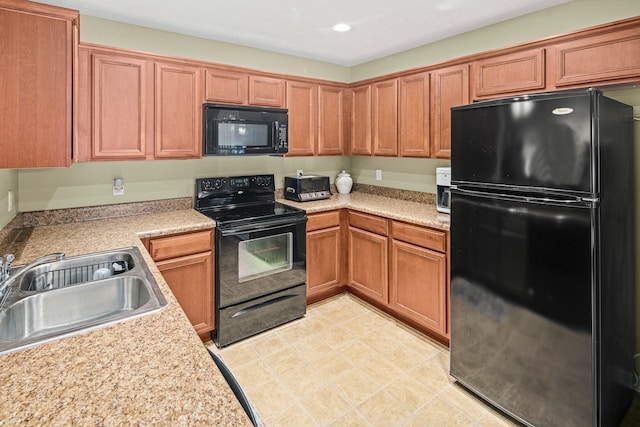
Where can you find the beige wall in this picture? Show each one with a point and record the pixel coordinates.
(112, 33)
(8, 182)
(557, 20)
(89, 184)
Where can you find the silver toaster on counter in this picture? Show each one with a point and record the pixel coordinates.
(306, 188)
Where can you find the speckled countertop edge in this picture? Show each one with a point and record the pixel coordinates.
(402, 210)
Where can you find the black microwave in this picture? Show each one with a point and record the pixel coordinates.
(240, 130)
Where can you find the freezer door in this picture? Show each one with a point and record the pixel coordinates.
(541, 143)
(521, 292)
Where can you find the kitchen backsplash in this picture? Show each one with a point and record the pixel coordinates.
(409, 195)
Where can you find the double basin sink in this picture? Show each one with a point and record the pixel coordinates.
(61, 298)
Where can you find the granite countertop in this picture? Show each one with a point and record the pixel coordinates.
(403, 210)
(149, 370)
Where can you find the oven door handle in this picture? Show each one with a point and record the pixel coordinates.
(261, 226)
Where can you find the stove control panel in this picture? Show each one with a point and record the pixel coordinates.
(260, 183)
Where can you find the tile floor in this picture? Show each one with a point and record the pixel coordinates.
(348, 364)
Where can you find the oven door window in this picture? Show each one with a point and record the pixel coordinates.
(264, 256)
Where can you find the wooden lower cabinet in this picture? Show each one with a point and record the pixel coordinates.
(326, 260)
(417, 285)
(186, 264)
(398, 267)
(368, 256)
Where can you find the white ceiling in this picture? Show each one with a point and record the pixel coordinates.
(302, 28)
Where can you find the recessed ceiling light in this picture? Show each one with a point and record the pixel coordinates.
(341, 27)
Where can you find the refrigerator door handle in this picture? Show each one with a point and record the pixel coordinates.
(527, 199)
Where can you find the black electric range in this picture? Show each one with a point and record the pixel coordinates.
(260, 255)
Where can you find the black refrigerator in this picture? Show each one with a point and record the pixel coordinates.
(542, 275)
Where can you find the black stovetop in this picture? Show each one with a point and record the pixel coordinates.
(266, 211)
(237, 200)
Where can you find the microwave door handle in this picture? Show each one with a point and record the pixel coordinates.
(274, 137)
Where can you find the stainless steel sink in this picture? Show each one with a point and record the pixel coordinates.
(80, 269)
(70, 301)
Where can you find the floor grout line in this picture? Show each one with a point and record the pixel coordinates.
(309, 335)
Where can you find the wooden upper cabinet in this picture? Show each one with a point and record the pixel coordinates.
(303, 114)
(361, 121)
(513, 73)
(609, 57)
(385, 118)
(266, 91)
(413, 115)
(178, 106)
(227, 87)
(38, 46)
(449, 88)
(331, 120)
(121, 102)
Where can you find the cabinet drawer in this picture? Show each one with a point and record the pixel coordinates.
(367, 222)
(425, 237)
(178, 245)
(323, 220)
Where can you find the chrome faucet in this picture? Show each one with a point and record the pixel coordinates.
(5, 267)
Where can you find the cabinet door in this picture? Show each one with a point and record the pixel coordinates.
(606, 57)
(413, 116)
(228, 87)
(331, 120)
(368, 264)
(361, 121)
(121, 103)
(303, 114)
(178, 111)
(324, 253)
(191, 281)
(385, 118)
(38, 51)
(266, 91)
(515, 73)
(417, 285)
(449, 88)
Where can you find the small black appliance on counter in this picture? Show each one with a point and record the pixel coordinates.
(305, 188)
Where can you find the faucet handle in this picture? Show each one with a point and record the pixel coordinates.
(4, 269)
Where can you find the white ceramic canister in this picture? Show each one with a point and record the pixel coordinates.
(344, 182)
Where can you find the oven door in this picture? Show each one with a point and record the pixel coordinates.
(259, 260)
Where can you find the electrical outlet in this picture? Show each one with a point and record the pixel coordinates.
(378, 175)
(118, 187)
(10, 201)
(299, 172)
